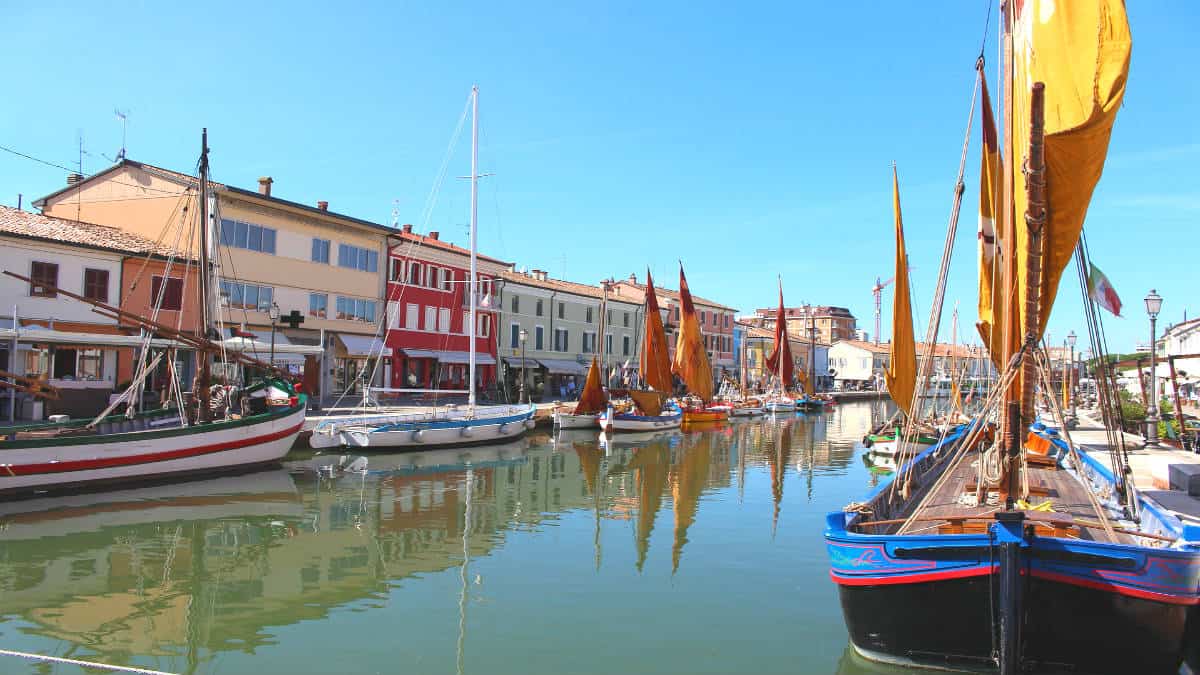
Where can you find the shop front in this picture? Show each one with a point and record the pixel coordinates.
(356, 363)
(564, 378)
(516, 368)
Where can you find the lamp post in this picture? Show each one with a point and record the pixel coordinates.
(522, 336)
(1071, 338)
(274, 312)
(1153, 306)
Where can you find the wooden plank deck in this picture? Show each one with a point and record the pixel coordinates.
(1068, 497)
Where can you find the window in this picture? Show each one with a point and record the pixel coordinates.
(95, 284)
(608, 343)
(435, 277)
(172, 295)
(516, 305)
(397, 271)
(677, 313)
(447, 278)
(625, 346)
(414, 274)
(320, 250)
(318, 304)
(625, 322)
(410, 316)
(703, 315)
(240, 296)
(91, 365)
(561, 310)
(608, 319)
(561, 339)
(514, 337)
(430, 318)
(240, 234)
(355, 309)
(444, 320)
(43, 275)
(357, 258)
(485, 326)
(589, 343)
(589, 314)
(539, 334)
(538, 308)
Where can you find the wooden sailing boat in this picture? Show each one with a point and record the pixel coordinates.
(444, 426)
(781, 364)
(981, 552)
(592, 401)
(163, 443)
(651, 410)
(691, 362)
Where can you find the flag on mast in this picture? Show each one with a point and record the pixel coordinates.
(1102, 292)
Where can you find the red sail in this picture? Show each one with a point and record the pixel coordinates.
(654, 364)
(781, 347)
(592, 399)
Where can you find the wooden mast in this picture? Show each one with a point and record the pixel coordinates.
(1005, 248)
(205, 377)
(1035, 221)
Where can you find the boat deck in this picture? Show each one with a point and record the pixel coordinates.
(941, 511)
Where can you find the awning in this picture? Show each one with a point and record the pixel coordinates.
(363, 346)
(564, 367)
(38, 335)
(450, 357)
(517, 362)
(261, 349)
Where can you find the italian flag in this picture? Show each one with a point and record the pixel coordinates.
(1102, 291)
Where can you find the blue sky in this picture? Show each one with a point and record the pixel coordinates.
(746, 141)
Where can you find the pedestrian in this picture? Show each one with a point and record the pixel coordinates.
(571, 387)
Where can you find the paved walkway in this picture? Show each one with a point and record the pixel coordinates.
(1146, 463)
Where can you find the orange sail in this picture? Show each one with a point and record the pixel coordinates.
(901, 374)
(592, 399)
(654, 364)
(691, 358)
(690, 477)
(649, 402)
(784, 371)
(651, 485)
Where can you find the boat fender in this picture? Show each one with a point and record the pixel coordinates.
(500, 429)
(867, 442)
(465, 432)
(416, 435)
(529, 424)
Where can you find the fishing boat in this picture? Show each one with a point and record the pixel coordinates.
(781, 364)
(592, 401)
(749, 407)
(1002, 547)
(207, 436)
(447, 425)
(648, 409)
(691, 364)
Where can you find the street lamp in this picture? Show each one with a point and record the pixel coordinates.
(1153, 305)
(522, 336)
(274, 312)
(1071, 338)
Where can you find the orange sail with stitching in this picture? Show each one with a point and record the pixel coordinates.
(691, 358)
(592, 399)
(654, 364)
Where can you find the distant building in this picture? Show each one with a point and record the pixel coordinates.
(760, 342)
(861, 335)
(831, 323)
(858, 363)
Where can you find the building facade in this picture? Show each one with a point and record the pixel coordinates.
(831, 323)
(758, 343)
(565, 325)
(327, 267)
(857, 364)
(428, 308)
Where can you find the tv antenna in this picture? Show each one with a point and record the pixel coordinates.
(123, 116)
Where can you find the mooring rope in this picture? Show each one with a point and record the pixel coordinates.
(78, 662)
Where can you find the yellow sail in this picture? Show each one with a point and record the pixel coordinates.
(991, 252)
(690, 477)
(901, 375)
(1080, 51)
(691, 358)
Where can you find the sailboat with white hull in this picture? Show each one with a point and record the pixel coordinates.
(161, 444)
(1001, 547)
(473, 424)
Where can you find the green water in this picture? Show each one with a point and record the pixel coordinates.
(681, 553)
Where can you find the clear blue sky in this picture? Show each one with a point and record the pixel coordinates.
(748, 142)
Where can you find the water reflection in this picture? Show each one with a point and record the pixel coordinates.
(199, 577)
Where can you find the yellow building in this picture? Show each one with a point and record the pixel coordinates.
(327, 266)
(757, 346)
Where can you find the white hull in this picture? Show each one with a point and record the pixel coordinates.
(569, 421)
(889, 449)
(616, 423)
(780, 406)
(746, 412)
(45, 464)
(426, 430)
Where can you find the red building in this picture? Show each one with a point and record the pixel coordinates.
(428, 309)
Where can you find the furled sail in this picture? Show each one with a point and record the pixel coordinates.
(592, 399)
(654, 363)
(1080, 51)
(901, 375)
(992, 252)
(785, 371)
(691, 358)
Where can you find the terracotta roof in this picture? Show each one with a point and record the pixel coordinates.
(943, 349)
(20, 223)
(425, 240)
(564, 286)
(663, 292)
(881, 348)
(769, 334)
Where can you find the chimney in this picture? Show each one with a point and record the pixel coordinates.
(324, 206)
(264, 186)
(74, 178)
(541, 274)
(407, 228)
(633, 278)
(434, 234)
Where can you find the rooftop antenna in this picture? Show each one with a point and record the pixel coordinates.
(395, 214)
(123, 116)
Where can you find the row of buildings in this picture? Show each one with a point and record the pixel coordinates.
(347, 302)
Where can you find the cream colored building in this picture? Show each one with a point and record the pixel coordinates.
(327, 266)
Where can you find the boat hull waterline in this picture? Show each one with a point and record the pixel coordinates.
(570, 421)
(628, 422)
(419, 432)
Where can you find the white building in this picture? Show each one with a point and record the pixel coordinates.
(857, 363)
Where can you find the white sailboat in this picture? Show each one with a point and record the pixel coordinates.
(443, 426)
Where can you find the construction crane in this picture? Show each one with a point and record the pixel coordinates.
(878, 291)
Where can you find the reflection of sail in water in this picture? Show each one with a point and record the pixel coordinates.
(652, 464)
(690, 476)
(778, 459)
(589, 461)
(469, 486)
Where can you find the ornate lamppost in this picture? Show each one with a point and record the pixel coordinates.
(1153, 306)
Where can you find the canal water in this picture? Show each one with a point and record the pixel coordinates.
(695, 552)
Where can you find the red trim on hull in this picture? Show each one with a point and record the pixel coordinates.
(1115, 588)
(910, 578)
(132, 460)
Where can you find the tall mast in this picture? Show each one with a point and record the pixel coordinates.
(473, 285)
(812, 351)
(205, 379)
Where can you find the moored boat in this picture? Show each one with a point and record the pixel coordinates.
(592, 402)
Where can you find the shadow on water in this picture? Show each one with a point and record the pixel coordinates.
(695, 551)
